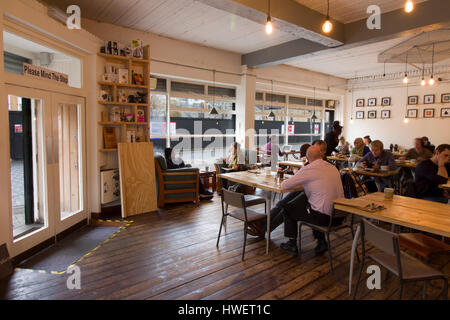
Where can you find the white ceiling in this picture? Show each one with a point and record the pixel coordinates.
(187, 20)
(347, 11)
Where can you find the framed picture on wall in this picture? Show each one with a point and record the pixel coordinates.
(428, 99)
(445, 112)
(386, 101)
(413, 100)
(412, 113)
(360, 102)
(372, 102)
(385, 114)
(359, 114)
(445, 98)
(372, 114)
(428, 113)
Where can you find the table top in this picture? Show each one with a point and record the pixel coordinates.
(344, 158)
(257, 180)
(414, 213)
(292, 152)
(406, 164)
(445, 186)
(380, 174)
(296, 164)
(397, 154)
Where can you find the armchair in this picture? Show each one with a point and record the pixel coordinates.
(176, 185)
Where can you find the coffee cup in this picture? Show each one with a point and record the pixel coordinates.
(384, 168)
(388, 193)
(267, 170)
(413, 160)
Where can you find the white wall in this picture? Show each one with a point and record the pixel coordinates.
(394, 130)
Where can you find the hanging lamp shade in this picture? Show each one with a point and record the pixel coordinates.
(314, 116)
(213, 111)
(271, 114)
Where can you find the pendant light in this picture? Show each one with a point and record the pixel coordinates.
(268, 25)
(271, 114)
(384, 69)
(409, 6)
(214, 110)
(432, 81)
(405, 79)
(423, 82)
(327, 25)
(314, 107)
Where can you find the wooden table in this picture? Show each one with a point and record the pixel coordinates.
(445, 186)
(406, 164)
(413, 213)
(397, 154)
(286, 154)
(344, 159)
(261, 181)
(294, 164)
(378, 174)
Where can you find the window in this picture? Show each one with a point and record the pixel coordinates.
(199, 136)
(18, 50)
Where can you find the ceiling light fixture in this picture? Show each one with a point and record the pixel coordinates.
(271, 114)
(405, 79)
(423, 82)
(432, 81)
(314, 117)
(327, 25)
(409, 6)
(214, 110)
(268, 25)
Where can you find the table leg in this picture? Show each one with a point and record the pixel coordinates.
(269, 207)
(352, 256)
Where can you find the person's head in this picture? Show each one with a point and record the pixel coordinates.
(367, 140)
(313, 153)
(358, 143)
(442, 152)
(168, 153)
(322, 146)
(425, 141)
(377, 148)
(418, 143)
(342, 140)
(337, 128)
(235, 146)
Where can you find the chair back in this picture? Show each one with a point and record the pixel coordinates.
(161, 161)
(382, 239)
(234, 199)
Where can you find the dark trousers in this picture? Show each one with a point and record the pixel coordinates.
(293, 208)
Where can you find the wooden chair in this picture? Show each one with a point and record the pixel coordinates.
(424, 246)
(176, 185)
(327, 230)
(237, 200)
(402, 265)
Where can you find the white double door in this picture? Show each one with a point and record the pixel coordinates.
(56, 165)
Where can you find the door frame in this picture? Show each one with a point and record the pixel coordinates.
(54, 225)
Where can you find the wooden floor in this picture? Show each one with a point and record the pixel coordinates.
(172, 254)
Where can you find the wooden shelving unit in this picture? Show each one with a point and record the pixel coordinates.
(137, 65)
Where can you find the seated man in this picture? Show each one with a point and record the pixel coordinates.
(376, 158)
(419, 152)
(427, 144)
(431, 173)
(176, 163)
(360, 148)
(322, 184)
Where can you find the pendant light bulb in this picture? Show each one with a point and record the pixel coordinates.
(431, 81)
(423, 82)
(269, 27)
(405, 79)
(327, 26)
(406, 120)
(409, 6)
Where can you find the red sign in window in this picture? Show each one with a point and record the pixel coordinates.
(18, 128)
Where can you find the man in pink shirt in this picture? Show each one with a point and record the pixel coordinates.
(322, 185)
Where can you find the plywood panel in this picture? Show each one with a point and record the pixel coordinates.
(137, 178)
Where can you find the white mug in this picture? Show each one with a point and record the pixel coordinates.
(384, 168)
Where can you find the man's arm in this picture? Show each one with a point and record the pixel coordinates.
(298, 179)
(363, 161)
(391, 162)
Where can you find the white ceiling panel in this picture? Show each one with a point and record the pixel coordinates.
(347, 11)
(187, 20)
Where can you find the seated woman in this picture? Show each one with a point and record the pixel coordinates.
(360, 148)
(176, 163)
(344, 146)
(234, 162)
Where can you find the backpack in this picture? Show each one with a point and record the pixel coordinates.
(352, 184)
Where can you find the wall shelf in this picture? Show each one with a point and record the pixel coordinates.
(122, 123)
(122, 58)
(123, 85)
(112, 103)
